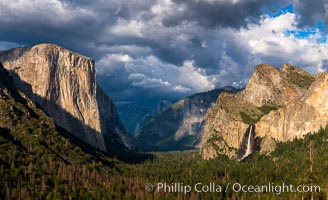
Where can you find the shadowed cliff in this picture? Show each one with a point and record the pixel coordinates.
(63, 84)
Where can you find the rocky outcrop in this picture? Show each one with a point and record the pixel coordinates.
(268, 89)
(268, 145)
(181, 125)
(63, 83)
(269, 84)
(299, 117)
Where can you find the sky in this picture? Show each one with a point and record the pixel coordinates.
(147, 50)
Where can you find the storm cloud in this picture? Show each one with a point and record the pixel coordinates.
(167, 49)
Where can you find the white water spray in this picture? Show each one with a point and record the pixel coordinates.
(249, 148)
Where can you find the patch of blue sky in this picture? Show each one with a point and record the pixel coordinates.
(288, 9)
(301, 34)
(320, 26)
(318, 31)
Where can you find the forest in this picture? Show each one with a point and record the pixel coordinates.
(39, 160)
(38, 163)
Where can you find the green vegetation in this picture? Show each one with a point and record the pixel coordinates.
(244, 111)
(299, 77)
(251, 116)
(268, 107)
(154, 142)
(37, 173)
(38, 162)
(220, 145)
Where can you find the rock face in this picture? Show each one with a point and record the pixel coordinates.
(267, 146)
(268, 89)
(299, 117)
(63, 83)
(270, 84)
(181, 125)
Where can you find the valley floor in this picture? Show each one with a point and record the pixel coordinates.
(32, 168)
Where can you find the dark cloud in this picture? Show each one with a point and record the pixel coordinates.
(218, 13)
(166, 49)
(78, 25)
(310, 12)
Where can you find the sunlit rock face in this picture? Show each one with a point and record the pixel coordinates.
(269, 91)
(299, 117)
(63, 83)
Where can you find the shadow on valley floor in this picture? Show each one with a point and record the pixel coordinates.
(5, 133)
(76, 134)
(113, 150)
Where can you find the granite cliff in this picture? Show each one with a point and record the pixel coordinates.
(269, 93)
(181, 125)
(300, 116)
(63, 84)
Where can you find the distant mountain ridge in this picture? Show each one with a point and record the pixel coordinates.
(181, 125)
(134, 115)
(64, 84)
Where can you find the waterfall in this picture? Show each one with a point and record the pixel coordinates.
(249, 148)
(249, 144)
